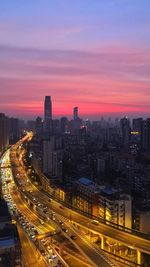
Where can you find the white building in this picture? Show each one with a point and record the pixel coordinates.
(115, 207)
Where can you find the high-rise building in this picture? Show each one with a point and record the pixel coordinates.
(39, 127)
(75, 113)
(125, 130)
(14, 130)
(77, 122)
(137, 125)
(136, 134)
(146, 135)
(63, 124)
(4, 132)
(52, 157)
(47, 117)
(47, 108)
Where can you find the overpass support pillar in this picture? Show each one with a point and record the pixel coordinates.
(139, 258)
(102, 242)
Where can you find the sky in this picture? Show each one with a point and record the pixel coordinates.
(94, 54)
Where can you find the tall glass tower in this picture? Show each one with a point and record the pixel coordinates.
(47, 108)
(47, 117)
(75, 113)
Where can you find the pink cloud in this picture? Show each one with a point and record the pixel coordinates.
(73, 77)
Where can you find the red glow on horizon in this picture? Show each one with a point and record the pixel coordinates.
(34, 109)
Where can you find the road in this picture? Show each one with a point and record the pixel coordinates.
(27, 212)
(96, 257)
(31, 256)
(125, 238)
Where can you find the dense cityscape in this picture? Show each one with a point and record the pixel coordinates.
(75, 133)
(75, 187)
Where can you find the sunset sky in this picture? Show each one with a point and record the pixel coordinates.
(94, 54)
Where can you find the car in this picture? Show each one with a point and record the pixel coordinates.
(35, 232)
(50, 260)
(45, 209)
(64, 229)
(54, 233)
(27, 229)
(61, 207)
(73, 237)
(43, 252)
(49, 250)
(95, 222)
(21, 217)
(43, 241)
(41, 222)
(54, 256)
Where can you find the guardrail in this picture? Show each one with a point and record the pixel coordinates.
(101, 220)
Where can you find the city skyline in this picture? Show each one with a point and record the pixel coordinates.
(75, 133)
(91, 55)
(47, 111)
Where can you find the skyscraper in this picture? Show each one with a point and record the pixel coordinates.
(47, 108)
(75, 113)
(125, 130)
(4, 132)
(14, 130)
(52, 157)
(47, 117)
(39, 127)
(146, 135)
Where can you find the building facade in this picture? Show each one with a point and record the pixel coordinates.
(52, 158)
(4, 132)
(47, 116)
(103, 202)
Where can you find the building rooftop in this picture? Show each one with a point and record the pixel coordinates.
(109, 190)
(89, 184)
(85, 181)
(7, 243)
(104, 190)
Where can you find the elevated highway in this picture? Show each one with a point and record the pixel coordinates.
(135, 240)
